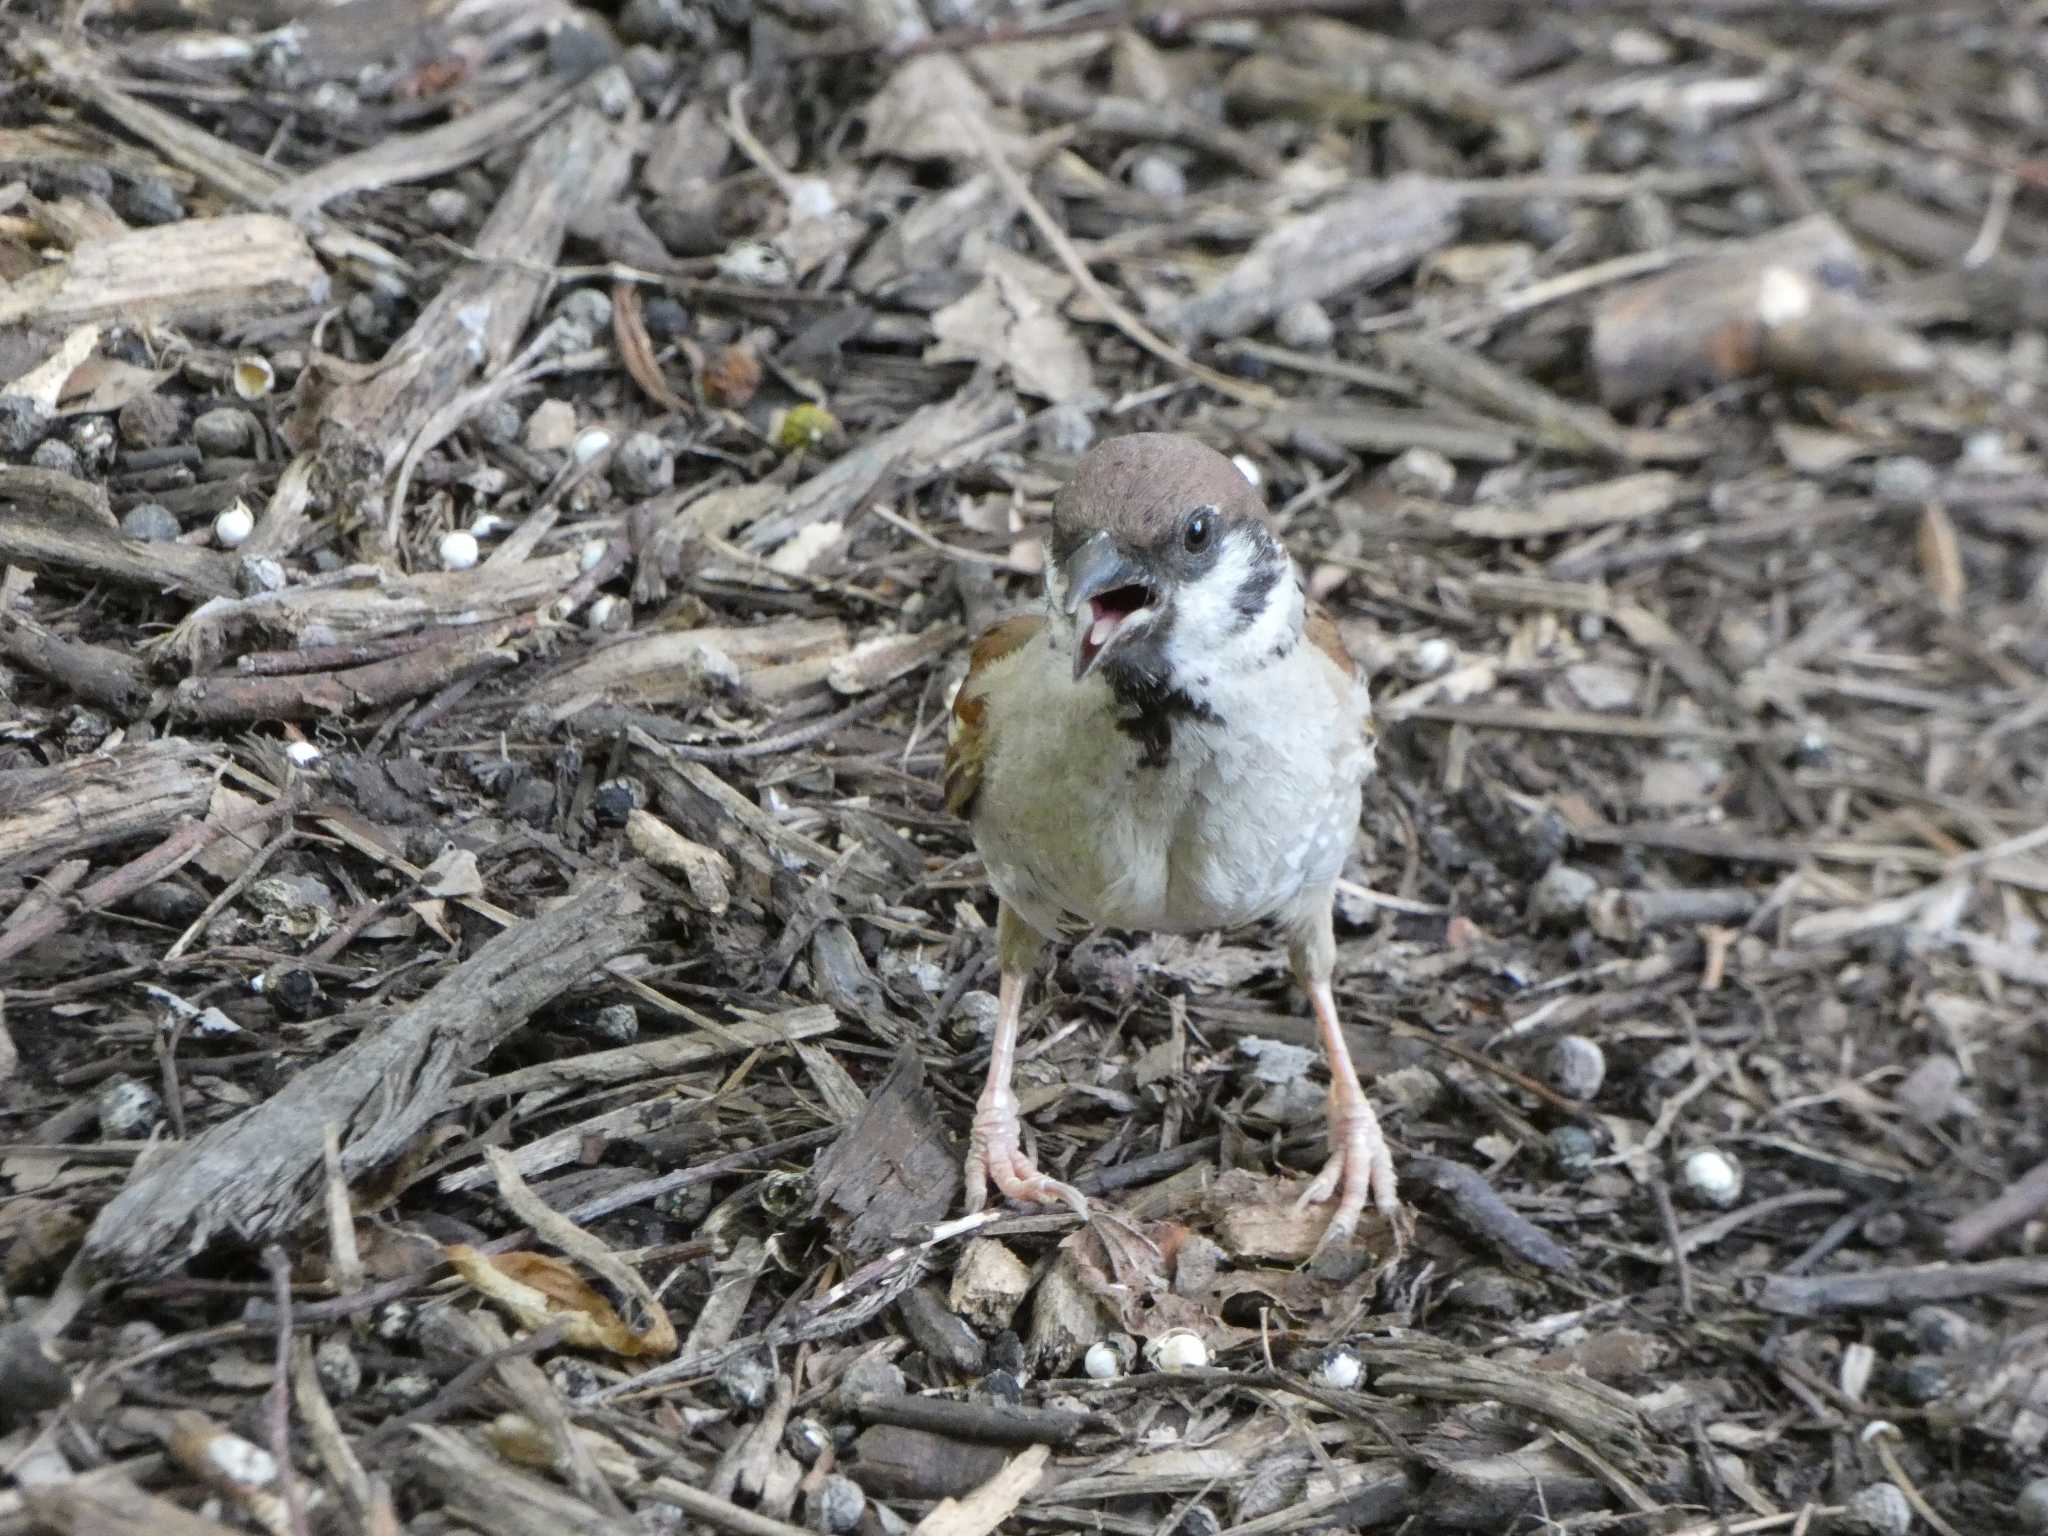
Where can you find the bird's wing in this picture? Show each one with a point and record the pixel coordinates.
(967, 730)
(1321, 631)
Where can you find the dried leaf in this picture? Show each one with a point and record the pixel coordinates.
(538, 1290)
(1011, 319)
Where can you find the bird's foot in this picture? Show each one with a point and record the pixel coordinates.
(1360, 1167)
(995, 1152)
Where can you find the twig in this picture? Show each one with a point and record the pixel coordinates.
(1878, 1435)
(1662, 1193)
(234, 889)
(281, 1391)
(1974, 1228)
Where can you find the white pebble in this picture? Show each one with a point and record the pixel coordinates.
(1879, 1510)
(1712, 1177)
(458, 550)
(812, 198)
(1248, 469)
(234, 524)
(592, 552)
(1340, 1368)
(1306, 327)
(607, 612)
(1576, 1066)
(303, 754)
(1157, 176)
(488, 525)
(1422, 472)
(591, 443)
(1180, 1350)
(2032, 1507)
(1104, 1361)
(1431, 656)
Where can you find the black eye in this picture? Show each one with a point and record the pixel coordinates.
(1200, 529)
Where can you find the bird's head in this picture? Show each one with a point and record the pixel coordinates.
(1163, 565)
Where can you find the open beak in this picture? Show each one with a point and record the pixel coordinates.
(1110, 593)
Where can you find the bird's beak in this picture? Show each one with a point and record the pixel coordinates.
(1110, 594)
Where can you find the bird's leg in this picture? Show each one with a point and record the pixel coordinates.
(1360, 1164)
(995, 1150)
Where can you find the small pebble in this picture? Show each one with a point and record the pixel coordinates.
(368, 317)
(587, 307)
(1159, 176)
(150, 522)
(1181, 1349)
(978, 1012)
(2032, 1507)
(150, 421)
(747, 1379)
(1884, 1229)
(650, 69)
(58, 456)
(613, 1024)
(806, 1440)
(1104, 1361)
(295, 996)
(1928, 1092)
(1573, 1148)
(608, 614)
(458, 550)
(1306, 327)
(1920, 1380)
(1712, 1178)
(147, 200)
(22, 424)
(402, 1394)
(446, 208)
(755, 265)
(1422, 472)
(498, 422)
(233, 526)
(665, 318)
(617, 799)
(1576, 1066)
(132, 1338)
(302, 754)
(643, 466)
(1879, 1510)
(1560, 898)
(224, 432)
(128, 1109)
(835, 1506)
(590, 444)
(1940, 1330)
(340, 1372)
(872, 1376)
(1339, 1368)
(1903, 481)
(260, 573)
(1431, 656)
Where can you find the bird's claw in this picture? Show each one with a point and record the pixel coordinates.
(995, 1152)
(1361, 1167)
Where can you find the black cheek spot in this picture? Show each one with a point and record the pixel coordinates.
(1253, 593)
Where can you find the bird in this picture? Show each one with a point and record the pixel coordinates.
(1175, 741)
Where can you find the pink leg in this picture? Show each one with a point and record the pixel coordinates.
(1360, 1164)
(995, 1151)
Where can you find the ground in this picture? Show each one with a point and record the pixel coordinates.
(494, 502)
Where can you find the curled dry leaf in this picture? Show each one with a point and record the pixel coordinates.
(538, 1289)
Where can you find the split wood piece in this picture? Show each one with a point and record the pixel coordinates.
(984, 1510)
(935, 440)
(475, 323)
(2022, 1201)
(687, 666)
(1475, 1205)
(79, 551)
(892, 1462)
(55, 496)
(362, 603)
(196, 271)
(138, 790)
(994, 1423)
(1387, 429)
(223, 698)
(1576, 509)
(1811, 1295)
(81, 72)
(98, 674)
(257, 1176)
(488, 1493)
(651, 1057)
(1553, 421)
(1444, 1372)
(1490, 1493)
(894, 1169)
(112, 1506)
(1783, 304)
(1358, 241)
(409, 157)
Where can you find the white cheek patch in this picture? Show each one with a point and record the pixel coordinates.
(1208, 625)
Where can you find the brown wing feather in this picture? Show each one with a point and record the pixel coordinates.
(967, 735)
(1321, 631)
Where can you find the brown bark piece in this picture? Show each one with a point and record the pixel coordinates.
(894, 1168)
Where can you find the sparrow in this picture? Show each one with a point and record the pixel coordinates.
(1175, 743)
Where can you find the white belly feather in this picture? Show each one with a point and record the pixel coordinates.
(1197, 844)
